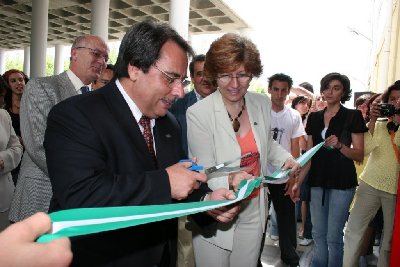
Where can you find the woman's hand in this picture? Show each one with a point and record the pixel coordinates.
(333, 141)
(375, 111)
(234, 179)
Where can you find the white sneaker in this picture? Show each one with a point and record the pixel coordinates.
(305, 242)
(274, 237)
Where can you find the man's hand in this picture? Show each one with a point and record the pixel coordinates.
(227, 213)
(292, 189)
(183, 181)
(18, 247)
(293, 165)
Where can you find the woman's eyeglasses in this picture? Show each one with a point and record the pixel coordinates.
(242, 78)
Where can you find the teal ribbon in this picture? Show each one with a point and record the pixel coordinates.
(83, 221)
(302, 160)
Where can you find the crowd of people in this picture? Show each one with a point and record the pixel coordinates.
(103, 135)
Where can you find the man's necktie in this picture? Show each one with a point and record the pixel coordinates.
(85, 89)
(148, 136)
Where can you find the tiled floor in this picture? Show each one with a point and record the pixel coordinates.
(271, 255)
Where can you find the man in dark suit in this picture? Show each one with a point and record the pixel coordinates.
(202, 88)
(99, 154)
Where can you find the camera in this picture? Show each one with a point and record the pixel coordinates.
(388, 110)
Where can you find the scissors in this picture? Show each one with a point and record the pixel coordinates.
(222, 167)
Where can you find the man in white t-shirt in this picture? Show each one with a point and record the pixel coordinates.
(287, 128)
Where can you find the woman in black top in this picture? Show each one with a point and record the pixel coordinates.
(332, 174)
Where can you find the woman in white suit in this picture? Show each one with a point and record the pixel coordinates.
(229, 123)
(10, 156)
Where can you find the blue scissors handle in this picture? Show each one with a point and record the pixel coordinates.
(194, 166)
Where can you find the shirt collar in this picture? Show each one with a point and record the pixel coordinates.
(198, 96)
(132, 106)
(76, 82)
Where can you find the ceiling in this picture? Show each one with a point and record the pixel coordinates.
(71, 18)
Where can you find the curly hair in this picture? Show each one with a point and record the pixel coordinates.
(343, 79)
(228, 52)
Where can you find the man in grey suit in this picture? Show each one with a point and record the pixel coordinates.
(89, 55)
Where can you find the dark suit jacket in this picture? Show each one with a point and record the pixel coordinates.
(179, 111)
(97, 157)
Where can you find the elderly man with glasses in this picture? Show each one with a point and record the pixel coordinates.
(33, 193)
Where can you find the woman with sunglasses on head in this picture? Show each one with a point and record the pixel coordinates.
(378, 181)
(227, 124)
(331, 172)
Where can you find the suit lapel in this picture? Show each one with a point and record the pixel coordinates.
(255, 118)
(167, 136)
(126, 120)
(66, 85)
(191, 99)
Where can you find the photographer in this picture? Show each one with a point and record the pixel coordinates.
(378, 181)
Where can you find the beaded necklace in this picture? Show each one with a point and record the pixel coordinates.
(235, 121)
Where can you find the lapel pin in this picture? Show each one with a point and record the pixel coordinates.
(168, 136)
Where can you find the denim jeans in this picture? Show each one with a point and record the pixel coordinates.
(307, 224)
(329, 217)
(274, 223)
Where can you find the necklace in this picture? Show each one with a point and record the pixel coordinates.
(235, 121)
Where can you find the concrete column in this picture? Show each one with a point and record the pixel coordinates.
(27, 60)
(99, 22)
(58, 59)
(179, 16)
(2, 61)
(39, 37)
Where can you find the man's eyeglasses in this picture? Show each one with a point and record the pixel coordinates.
(96, 53)
(173, 81)
(242, 78)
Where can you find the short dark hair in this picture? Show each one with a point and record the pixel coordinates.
(307, 86)
(142, 43)
(343, 79)
(110, 67)
(393, 87)
(280, 77)
(362, 99)
(197, 58)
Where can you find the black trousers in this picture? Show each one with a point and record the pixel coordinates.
(285, 214)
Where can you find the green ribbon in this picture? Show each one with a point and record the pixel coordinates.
(83, 221)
